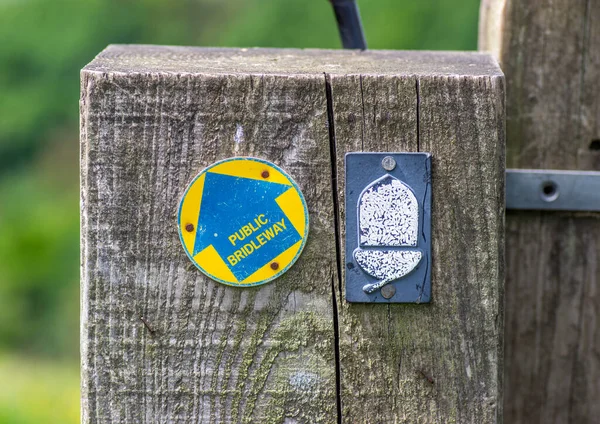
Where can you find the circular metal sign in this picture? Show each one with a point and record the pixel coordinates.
(243, 221)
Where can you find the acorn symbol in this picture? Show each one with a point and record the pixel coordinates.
(388, 216)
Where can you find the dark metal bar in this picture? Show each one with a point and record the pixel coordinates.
(349, 24)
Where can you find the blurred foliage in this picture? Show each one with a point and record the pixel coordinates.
(34, 391)
(43, 45)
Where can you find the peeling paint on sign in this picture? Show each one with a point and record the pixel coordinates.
(389, 213)
(386, 265)
(243, 221)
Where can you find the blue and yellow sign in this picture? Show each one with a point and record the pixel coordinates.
(243, 221)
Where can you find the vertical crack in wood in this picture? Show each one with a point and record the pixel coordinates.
(362, 102)
(418, 115)
(417, 90)
(336, 215)
(585, 40)
(334, 179)
(338, 370)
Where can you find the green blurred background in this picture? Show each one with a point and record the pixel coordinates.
(43, 45)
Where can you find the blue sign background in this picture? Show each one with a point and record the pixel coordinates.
(225, 212)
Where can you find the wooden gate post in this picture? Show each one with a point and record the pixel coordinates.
(550, 52)
(162, 343)
(440, 362)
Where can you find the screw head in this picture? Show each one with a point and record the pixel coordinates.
(274, 265)
(388, 291)
(265, 174)
(388, 163)
(189, 228)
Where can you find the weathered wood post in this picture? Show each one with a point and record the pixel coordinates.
(550, 52)
(162, 343)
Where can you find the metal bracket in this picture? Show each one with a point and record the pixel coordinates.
(545, 189)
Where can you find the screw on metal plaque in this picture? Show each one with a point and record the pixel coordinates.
(388, 163)
(388, 237)
(388, 291)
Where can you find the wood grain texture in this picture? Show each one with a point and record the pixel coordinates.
(152, 117)
(440, 362)
(217, 353)
(550, 53)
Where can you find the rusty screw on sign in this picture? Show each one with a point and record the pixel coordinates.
(189, 228)
(388, 291)
(265, 174)
(274, 266)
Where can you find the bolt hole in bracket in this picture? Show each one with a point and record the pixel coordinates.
(543, 189)
(388, 228)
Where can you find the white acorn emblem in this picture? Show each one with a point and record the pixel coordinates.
(388, 216)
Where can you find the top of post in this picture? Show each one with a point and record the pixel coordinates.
(197, 60)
